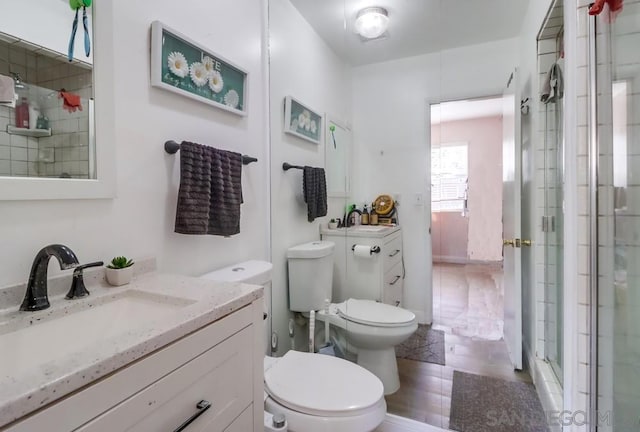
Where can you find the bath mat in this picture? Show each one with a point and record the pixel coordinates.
(483, 404)
(425, 345)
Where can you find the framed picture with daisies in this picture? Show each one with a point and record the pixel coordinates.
(301, 121)
(182, 66)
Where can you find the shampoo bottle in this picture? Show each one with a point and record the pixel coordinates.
(22, 114)
(34, 114)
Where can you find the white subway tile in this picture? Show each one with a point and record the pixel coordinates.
(5, 167)
(19, 168)
(19, 154)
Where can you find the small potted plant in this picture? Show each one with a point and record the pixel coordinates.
(119, 271)
(333, 224)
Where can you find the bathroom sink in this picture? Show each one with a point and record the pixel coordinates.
(35, 339)
(369, 228)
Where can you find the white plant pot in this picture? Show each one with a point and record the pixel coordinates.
(333, 225)
(117, 277)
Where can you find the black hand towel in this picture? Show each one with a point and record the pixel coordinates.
(314, 186)
(210, 191)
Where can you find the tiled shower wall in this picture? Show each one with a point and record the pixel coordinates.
(23, 156)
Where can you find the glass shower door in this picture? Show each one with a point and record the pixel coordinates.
(553, 233)
(618, 80)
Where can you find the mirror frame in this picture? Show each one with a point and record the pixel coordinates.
(328, 118)
(104, 185)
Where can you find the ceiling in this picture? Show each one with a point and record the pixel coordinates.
(415, 26)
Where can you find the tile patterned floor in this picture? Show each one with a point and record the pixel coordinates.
(468, 307)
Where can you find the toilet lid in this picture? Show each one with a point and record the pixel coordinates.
(373, 313)
(322, 385)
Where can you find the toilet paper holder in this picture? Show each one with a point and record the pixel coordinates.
(374, 249)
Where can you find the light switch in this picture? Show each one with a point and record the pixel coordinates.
(418, 200)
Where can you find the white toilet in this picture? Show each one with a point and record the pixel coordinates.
(373, 328)
(315, 392)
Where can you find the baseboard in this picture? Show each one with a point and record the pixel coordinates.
(394, 423)
(446, 259)
(462, 260)
(420, 316)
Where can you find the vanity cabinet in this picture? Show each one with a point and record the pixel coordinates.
(220, 364)
(379, 277)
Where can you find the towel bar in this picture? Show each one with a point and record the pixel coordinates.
(287, 166)
(172, 147)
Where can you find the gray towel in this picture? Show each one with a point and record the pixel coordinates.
(210, 191)
(7, 91)
(314, 187)
(553, 88)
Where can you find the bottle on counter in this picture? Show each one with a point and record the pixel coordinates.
(354, 214)
(22, 114)
(365, 216)
(373, 216)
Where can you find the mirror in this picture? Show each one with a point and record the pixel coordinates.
(40, 29)
(379, 85)
(46, 113)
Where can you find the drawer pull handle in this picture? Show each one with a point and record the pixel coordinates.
(202, 406)
(396, 252)
(395, 280)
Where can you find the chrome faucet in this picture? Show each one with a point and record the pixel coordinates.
(36, 297)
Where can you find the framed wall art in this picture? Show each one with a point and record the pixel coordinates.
(301, 121)
(182, 66)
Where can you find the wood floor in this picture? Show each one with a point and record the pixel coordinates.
(468, 304)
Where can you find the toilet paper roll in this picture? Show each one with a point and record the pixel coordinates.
(363, 251)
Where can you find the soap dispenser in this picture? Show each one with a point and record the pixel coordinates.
(365, 216)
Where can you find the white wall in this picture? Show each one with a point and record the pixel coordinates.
(484, 139)
(46, 23)
(449, 237)
(303, 66)
(391, 136)
(139, 222)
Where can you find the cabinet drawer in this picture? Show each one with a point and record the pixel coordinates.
(220, 376)
(393, 285)
(392, 252)
(244, 423)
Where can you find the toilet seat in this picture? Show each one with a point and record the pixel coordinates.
(369, 312)
(314, 384)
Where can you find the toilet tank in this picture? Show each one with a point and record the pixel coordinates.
(310, 275)
(250, 272)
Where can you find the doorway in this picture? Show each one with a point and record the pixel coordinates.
(467, 283)
(466, 222)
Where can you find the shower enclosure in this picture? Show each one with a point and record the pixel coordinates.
(551, 68)
(552, 224)
(615, 133)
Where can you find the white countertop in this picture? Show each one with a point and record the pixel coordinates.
(371, 231)
(24, 390)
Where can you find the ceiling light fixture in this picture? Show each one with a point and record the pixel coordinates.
(372, 22)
